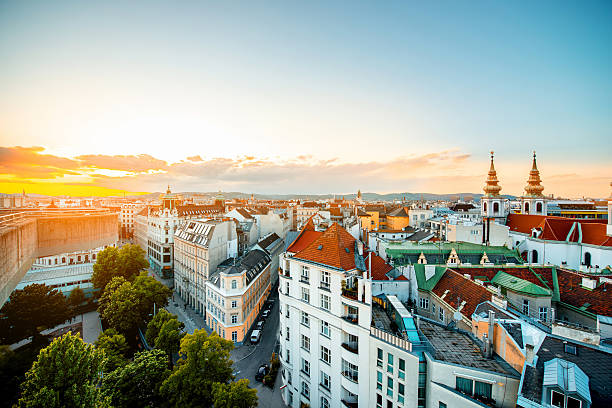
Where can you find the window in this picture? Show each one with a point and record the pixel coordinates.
(325, 328)
(557, 399)
(234, 284)
(305, 319)
(306, 367)
(234, 304)
(289, 361)
(350, 371)
(305, 390)
(324, 402)
(543, 313)
(234, 318)
(325, 302)
(378, 401)
(495, 207)
(287, 289)
(305, 274)
(573, 402)
(539, 208)
(287, 333)
(324, 279)
(400, 392)
(325, 380)
(482, 389)
(305, 343)
(379, 377)
(389, 362)
(424, 303)
(441, 314)
(570, 349)
(325, 355)
(464, 385)
(526, 307)
(234, 336)
(379, 358)
(306, 295)
(402, 368)
(390, 386)
(441, 404)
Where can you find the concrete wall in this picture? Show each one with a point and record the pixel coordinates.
(30, 238)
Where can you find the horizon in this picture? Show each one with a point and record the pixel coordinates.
(102, 99)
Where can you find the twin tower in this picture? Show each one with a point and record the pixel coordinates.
(493, 205)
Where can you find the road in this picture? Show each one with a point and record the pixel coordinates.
(247, 359)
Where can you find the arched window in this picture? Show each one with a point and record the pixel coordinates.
(587, 258)
(234, 284)
(484, 206)
(495, 208)
(534, 256)
(539, 208)
(526, 208)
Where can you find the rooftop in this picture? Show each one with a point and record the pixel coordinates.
(458, 348)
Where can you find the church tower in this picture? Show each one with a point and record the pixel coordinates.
(534, 202)
(492, 203)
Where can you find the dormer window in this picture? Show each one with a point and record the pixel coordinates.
(560, 400)
(570, 349)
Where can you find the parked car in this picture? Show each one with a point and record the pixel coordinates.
(259, 325)
(255, 336)
(265, 313)
(262, 371)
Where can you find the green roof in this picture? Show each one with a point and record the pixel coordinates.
(515, 284)
(427, 284)
(432, 248)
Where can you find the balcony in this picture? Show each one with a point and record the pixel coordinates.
(324, 286)
(353, 347)
(285, 274)
(304, 279)
(351, 314)
(350, 293)
(350, 404)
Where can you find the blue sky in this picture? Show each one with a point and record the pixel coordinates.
(357, 82)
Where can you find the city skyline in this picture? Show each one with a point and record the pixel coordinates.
(312, 98)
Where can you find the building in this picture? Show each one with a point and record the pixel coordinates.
(493, 207)
(398, 219)
(273, 245)
(304, 211)
(127, 219)
(63, 278)
(533, 201)
(199, 247)
(236, 292)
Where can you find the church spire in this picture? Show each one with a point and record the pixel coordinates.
(534, 187)
(492, 188)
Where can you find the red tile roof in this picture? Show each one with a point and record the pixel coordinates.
(574, 294)
(465, 289)
(335, 247)
(401, 278)
(304, 238)
(558, 228)
(379, 267)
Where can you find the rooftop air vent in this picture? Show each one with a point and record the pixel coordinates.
(320, 247)
(347, 250)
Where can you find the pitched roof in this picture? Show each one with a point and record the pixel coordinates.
(335, 247)
(588, 231)
(244, 213)
(519, 285)
(379, 267)
(400, 212)
(463, 289)
(596, 301)
(304, 238)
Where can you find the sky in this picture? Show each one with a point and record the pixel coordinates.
(304, 97)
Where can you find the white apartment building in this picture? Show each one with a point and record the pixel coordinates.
(342, 347)
(127, 218)
(199, 247)
(419, 217)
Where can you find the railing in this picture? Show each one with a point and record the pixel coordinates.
(391, 339)
(354, 377)
(350, 404)
(351, 318)
(350, 293)
(351, 346)
(304, 279)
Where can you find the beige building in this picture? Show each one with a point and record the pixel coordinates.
(199, 247)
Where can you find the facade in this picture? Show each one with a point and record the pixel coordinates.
(127, 219)
(534, 202)
(70, 258)
(200, 246)
(63, 278)
(304, 211)
(236, 292)
(493, 206)
(273, 245)
(419, 217)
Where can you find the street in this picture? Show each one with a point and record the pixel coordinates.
(247, 357)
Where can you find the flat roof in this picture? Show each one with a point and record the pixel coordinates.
(458, 348)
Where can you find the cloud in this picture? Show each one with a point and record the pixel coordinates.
(30, 163)
(197, 158)
(134, 163)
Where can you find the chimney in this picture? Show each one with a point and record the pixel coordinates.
(491, 333)
(360, 247)
(529, 353)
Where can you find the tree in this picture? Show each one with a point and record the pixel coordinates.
(137, 383)
(127, 262)
(31, 310)
(115, 348)
(120, 307)
(204, 360)
(156, 324)
(234, 395)
(64, 375)
(169, 337)
(76, 298)
(150, 291)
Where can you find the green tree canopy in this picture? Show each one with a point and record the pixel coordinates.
(234, 395)
(128, 262)
(204, 360)
(137, 383)
(76, 298)
(150, 291)
(115, 348)
(64, 375)
(156, 324)
(31, 310)
(169, 337)
(120, 306)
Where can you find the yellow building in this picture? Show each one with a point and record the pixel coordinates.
(398, 219)
(373, 217)
(236, 293)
